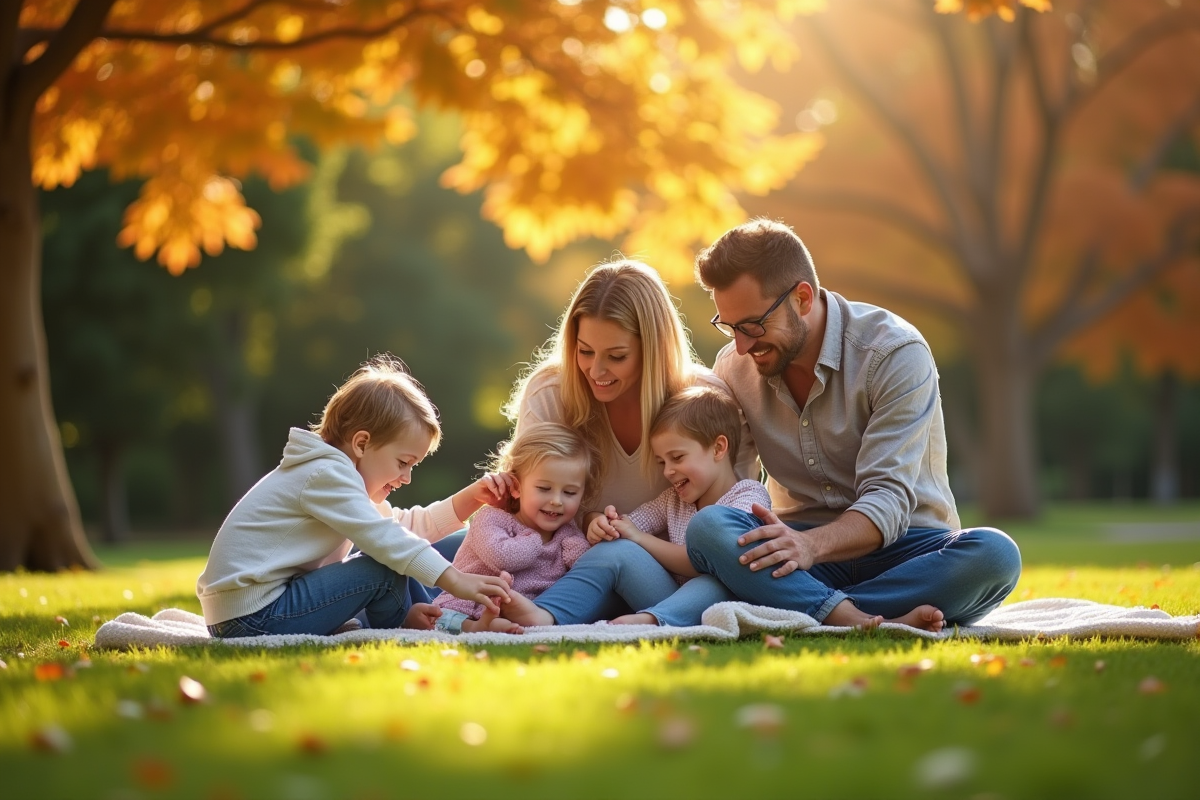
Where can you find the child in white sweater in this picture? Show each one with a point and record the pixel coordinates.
(280, 562)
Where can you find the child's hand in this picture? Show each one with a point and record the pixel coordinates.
(601, 529)
(495, 488)
(476, 588)
(626, 529)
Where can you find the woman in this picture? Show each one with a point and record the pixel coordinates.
(620, 351)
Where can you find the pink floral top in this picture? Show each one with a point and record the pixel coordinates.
(670, 515)
(496, 540)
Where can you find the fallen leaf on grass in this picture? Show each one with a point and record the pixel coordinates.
(258, 676)
(153, 773)
(61, 620)
(191, 691)
(581, 655)
(473, 734)
(674, 655)
(1058, 661)
(765, 719)
(1028, 662)
(49, 671)
(676, 733)
(450, 653)
(626, 703)
(312, 744)
(772, 642)
(354, 658)
(1100, 666)
(63, 643)
(695, 648)
(482, 655)
(51, 739)
(944, 768)
(2, 664)
(541, 648)
(967, 694)
(995, 667)
(409, 665)
(137, 668)
(1151, 685)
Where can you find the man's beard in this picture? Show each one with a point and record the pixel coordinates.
(787, 351)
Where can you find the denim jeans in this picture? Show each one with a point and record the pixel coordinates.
(319, 602)
(613, 578)
(965, 573)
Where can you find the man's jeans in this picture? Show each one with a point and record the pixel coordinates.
(319, 602)
(964, 573)
(613, 578)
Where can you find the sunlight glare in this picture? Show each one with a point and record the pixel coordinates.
(654, 18)
(618, 20)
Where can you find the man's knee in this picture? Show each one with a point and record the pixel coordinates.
(998, 552)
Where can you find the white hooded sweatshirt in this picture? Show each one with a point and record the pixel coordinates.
(307, 513)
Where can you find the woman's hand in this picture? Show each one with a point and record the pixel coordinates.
(601, 529)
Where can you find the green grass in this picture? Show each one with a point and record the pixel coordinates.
(348, 722)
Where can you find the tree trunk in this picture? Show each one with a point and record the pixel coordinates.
(235, 410)
(114, 499)
(1008, 469)
(1164, 474)
(40, 527)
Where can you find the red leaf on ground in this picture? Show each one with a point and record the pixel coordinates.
(674, 655)
(258, 676)
(63, 643)
(49, 671)
(1151, 685)
(1058, 661)
(153, 773)
(967, 695)
(312, 744)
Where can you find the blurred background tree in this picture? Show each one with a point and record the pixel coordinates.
(1025, 192)
(578, 119)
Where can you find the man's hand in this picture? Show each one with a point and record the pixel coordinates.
(476, 588)
(601, 528)
(788, 548)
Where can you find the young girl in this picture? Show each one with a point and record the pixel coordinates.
(279, 562)
(693, 439)
(537, 541)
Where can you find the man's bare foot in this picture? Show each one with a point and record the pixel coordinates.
(523, 611)
(635, 619)
(422, 616)
(490, 622)
(926, 618)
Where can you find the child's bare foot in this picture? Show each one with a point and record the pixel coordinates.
(422, 616)
(926, 618)
(635, 619)
(523, 611)
(490, 622)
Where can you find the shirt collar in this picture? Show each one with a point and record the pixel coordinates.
(831, 345)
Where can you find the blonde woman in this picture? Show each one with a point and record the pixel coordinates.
(619, 353)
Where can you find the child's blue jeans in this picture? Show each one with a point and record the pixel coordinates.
(321, 601)
(613, 578)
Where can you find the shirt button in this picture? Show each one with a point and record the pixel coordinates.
(812, 461)
(804, 422)
(828, 488)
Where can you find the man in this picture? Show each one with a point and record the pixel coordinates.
(842, 400)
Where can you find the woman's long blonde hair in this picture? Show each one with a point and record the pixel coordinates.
(633, 296)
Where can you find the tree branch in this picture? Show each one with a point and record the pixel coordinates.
(962, 109)
(201, 37)
(1180, 236)
(10, 17)
(80, 28)
(905, 294)
(876, 208)
(933, 171)
(1153, 160)
(993, 147)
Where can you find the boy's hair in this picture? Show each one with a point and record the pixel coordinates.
(382, 399)
(765, 249)
(701, 413)
(533, 444)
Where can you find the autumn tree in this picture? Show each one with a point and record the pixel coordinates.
(581, 118)
(1006, 185)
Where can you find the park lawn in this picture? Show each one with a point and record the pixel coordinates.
(822, 716)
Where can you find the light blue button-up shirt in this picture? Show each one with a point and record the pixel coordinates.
(870, 437)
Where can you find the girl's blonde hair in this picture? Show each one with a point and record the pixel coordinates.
(634, 297)
(382, 399)
(533, 444)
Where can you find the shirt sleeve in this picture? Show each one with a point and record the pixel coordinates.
(745, 461)
(903, 396)
(651, 517)
(574, 544)
(336, 497)
(433, 522)
(745, 494)
(541, 402)
(501, 542)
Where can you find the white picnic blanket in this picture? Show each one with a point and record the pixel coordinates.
(1046, 618)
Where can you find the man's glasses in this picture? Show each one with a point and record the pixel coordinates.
(753, 327)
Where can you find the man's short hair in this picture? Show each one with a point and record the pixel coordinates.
(701, 413)
(766, 249)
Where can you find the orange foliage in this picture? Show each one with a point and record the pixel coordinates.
(580, 119)
(1094, 256)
